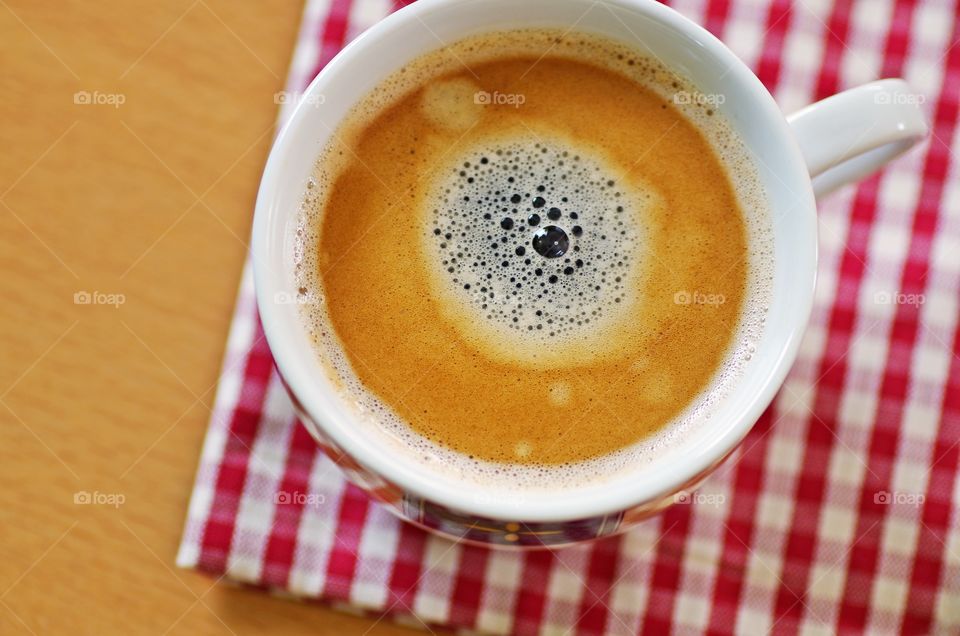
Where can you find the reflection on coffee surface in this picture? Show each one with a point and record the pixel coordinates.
(526, 250)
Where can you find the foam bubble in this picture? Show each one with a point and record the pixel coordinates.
(451, 104)
(522, 449)
(560, 393)
(535, 248)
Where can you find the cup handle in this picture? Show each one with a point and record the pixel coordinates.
(846, 137)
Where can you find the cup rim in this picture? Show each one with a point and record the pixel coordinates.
(316, 395)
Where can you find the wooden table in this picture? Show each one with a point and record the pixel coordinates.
(144, 195)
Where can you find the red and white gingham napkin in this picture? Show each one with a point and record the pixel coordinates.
(839, 515)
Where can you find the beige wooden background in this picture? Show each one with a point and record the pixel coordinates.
(150, 199)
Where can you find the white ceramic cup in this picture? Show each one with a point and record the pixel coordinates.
(826, 145)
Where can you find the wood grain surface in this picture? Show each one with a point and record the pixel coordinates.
(148, 201)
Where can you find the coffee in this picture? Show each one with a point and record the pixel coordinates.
(527, 249)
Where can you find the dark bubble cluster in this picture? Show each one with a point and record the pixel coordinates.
(535, 237)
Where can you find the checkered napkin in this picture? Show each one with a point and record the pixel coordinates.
(840, 514)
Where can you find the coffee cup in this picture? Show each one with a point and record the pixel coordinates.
(798, 158)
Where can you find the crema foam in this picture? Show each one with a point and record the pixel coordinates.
(534, 259)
